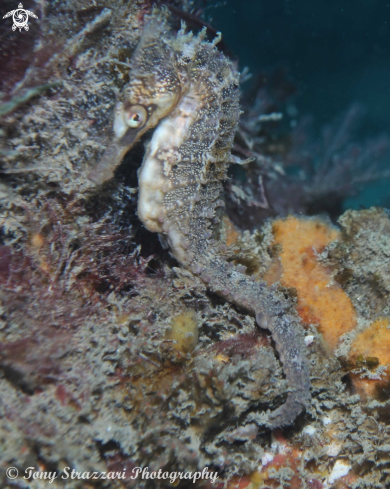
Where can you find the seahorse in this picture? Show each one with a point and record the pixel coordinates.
(189, 91)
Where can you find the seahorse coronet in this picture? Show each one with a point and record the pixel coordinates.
(191, 94)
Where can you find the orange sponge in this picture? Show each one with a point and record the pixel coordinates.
(320, 300)
(371, 349)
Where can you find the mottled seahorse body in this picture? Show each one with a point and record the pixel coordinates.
(189, 91)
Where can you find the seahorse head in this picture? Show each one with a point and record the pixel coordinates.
(155, 87)
(157, 82)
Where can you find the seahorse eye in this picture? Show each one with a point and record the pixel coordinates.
(136, 116)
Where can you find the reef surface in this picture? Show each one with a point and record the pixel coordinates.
(113, 357)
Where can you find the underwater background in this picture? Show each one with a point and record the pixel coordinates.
(337, 53)
(115, 353)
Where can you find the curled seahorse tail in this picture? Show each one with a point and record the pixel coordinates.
(283, 330)
(272, 312)
(287, 413)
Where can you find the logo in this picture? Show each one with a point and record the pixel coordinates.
(20, 18)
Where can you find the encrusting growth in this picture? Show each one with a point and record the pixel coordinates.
(189, 91)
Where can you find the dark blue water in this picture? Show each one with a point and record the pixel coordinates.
(337, 52)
